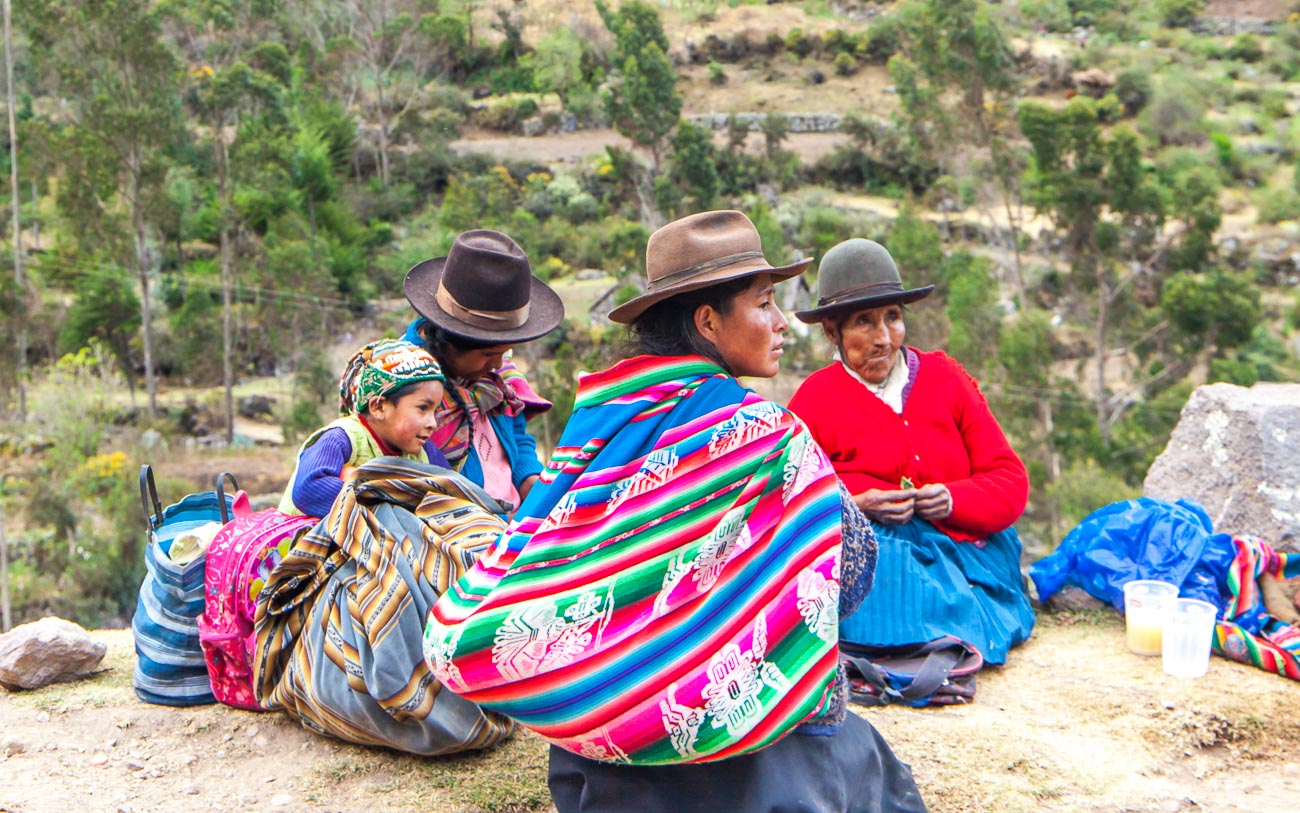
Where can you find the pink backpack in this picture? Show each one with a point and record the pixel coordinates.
(240, 557)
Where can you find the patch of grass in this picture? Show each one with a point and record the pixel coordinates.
(508, 779)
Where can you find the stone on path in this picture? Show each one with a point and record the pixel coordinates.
(51, 650)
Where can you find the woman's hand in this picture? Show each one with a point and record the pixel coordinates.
(887, 507)
(933, 501)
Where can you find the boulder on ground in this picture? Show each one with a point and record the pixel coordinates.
(1236, 451)
(51, 650)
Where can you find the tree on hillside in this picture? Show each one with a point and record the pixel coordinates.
(1098, 192)
(642, 101)
(557, 64)
(223, 89)
(387, 48)
(956, 79)
(120, 76)
(691, 183)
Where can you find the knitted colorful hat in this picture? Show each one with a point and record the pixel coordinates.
(381, 368)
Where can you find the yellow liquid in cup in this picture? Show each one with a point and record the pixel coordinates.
(1142, 637)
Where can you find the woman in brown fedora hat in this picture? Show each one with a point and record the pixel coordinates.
(475, 305)
(914, 440)
(664, 607)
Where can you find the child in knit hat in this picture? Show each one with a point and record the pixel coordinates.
(388, 396)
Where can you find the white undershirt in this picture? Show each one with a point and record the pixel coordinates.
(891, 389)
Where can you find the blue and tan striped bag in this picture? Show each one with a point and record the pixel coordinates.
(169, 668)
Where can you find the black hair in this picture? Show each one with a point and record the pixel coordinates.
(667, 328)
(438, 339)
(401, 392)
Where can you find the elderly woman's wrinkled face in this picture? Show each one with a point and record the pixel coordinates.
(868, 340)
(748, 336)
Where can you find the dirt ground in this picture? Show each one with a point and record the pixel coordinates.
(575, 148)
(1249, 9)
(1072, 723)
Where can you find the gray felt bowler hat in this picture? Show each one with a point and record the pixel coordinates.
(858, 274)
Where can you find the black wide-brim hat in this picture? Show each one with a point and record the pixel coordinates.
(484, 290)
(858, 274)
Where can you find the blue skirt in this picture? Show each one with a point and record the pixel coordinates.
(928, 585)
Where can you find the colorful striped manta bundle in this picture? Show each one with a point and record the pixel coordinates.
(669, 591)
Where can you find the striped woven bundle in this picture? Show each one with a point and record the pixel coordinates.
(669, 592)
(1249, 634)
(340, 622)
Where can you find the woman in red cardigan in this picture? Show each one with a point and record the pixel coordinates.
(914, 441)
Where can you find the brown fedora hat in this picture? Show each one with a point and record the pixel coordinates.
(697, 251)
(484, 289)
(857, 274)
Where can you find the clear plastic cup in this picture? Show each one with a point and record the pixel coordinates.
(1187, 637)
(1145, 604)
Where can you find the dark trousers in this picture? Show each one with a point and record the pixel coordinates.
(853, 771)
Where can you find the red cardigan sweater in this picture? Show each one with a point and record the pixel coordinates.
(946, 434)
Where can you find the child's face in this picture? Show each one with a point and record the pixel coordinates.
(408, 422)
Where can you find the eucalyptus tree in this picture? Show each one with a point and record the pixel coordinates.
(20, 279)
(387, 49)
(956, 79)
(642, 100)
(218, 37)
(1110, 210)
(121, 80)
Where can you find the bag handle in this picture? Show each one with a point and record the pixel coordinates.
(148, 490)
(942, 656)
(221, 494)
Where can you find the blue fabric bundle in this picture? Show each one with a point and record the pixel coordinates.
(1138, 539)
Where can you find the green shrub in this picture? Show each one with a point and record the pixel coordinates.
(301, 420)
(1109, 109)
(1277, 203)
(797, 43)
(1179, 13)
(1175, 114)
(1133, 88)
(837, 41)
(443, 123)
(1049, 15)
(845, 64)
(1273, 102)
(1246, 47)
(881, 41)
(507, 115)
(717, 75)
(1083, 487)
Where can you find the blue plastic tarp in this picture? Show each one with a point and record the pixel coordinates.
(1139, 539)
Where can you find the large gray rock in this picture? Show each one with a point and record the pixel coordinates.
(1236, 451)
(50, 650)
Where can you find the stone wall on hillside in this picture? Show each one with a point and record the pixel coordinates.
(799, 122)
(1236, 451)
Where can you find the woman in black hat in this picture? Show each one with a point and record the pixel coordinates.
(913, 439)
(475, 305)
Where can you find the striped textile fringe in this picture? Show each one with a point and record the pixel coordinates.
(1249, 634)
